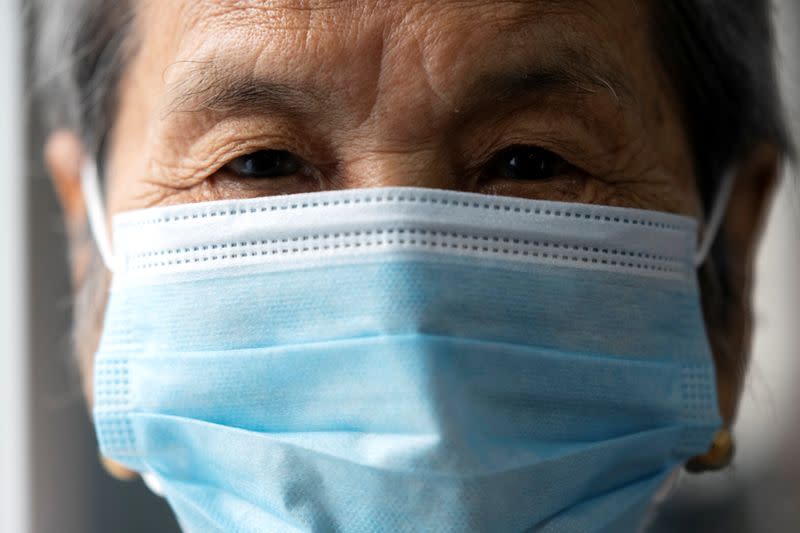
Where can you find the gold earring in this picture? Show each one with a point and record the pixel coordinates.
(718, 456)
(117, 470)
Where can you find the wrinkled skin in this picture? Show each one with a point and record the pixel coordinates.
(422, 93)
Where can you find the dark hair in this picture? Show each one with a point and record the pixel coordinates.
(719, 55)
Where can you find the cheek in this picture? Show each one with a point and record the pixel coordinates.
(127, 158)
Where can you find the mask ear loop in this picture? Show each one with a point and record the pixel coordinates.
(154, 484)
(90, 186)
(716, 217)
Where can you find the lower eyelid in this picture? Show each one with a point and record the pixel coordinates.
(564, 190)
(231, 185)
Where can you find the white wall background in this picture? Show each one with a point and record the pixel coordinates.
(13, 355)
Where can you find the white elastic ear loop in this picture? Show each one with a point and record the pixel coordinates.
(669, 487)
(153, 483)
(715, 218)
(90, 185)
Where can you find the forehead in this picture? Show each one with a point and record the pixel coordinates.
(351, 84)
(434, 45)
(278, 23)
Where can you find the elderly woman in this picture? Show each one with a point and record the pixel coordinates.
(412, 265)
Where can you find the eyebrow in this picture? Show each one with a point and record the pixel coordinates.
(560, 77)
(209, 88)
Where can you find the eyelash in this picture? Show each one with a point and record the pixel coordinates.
(527, 159)
(283, 163)
(516, 162)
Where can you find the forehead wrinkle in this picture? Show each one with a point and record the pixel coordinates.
(216, 86)
(570, 78)
(316, 14)
(578, 75)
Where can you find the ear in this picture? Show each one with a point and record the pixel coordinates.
(730, 327)
(63, 154)
(748, 207)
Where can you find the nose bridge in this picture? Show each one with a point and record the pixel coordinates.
(414, 165)
(405, 137)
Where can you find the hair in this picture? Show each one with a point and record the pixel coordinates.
(718, 54)
(720, 57)
(80, 49)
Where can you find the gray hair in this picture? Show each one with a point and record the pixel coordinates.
(80, 50)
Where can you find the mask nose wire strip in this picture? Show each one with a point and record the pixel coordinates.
(90, 186)
(715, 218)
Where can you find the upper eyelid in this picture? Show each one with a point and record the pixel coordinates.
(254, 152)
(487, 158)
(305, 168)
(251, 138)
(190, 143)
(567, 139)
(236, 149)
(481, 163)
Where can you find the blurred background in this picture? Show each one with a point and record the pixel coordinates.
(50, 477)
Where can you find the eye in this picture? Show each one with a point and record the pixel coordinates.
(266, 164)
(527, 163)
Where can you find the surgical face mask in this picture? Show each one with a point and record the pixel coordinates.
(403, 359)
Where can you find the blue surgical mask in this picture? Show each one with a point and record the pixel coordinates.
(403, 359)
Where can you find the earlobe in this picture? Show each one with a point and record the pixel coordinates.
(63, 154)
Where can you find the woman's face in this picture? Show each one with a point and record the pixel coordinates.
(370, 94)
(550, 99)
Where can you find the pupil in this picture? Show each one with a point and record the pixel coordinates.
(265, 164)
(529, 163)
